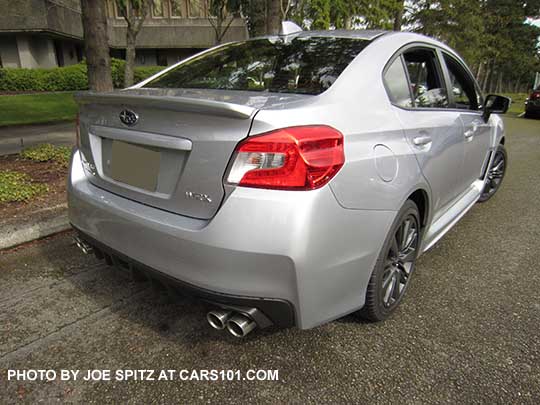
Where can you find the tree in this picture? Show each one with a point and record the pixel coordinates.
(285, 7)
(255, 13)
(320, 13)
(273, 17)
(221, 16)
(96, 45)
(134, 12)
(398, 15)
(491, 35)
(325, 14)
(459, 23)
(380, 14)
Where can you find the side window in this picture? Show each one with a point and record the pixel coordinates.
(397, 84)
(462, 85)
(428, 88)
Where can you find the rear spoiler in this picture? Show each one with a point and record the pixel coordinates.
(185, 104)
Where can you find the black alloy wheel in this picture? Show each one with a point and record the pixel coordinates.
(391, 276)
(495, 174)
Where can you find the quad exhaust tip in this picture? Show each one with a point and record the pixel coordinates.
(237, 324)
(218, 318)
(85, 247)
(240, 325)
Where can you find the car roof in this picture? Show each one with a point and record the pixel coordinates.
(360, 34)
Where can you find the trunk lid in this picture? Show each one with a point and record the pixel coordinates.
(175, 155)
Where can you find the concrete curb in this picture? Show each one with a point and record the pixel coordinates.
(51, 220)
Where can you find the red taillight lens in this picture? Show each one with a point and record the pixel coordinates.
(296, 158)
(535, 96)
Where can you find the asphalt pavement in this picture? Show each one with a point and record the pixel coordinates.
(468, 331)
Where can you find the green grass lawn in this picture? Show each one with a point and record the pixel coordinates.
(518, 103)
(37, 108)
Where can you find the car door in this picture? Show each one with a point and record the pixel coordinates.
(433, 130)
(467, 100)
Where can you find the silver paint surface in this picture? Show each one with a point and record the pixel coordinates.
(316, 249)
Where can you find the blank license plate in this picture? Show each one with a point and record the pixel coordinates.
(137, 166)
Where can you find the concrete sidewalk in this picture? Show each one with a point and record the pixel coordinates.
(15, 138)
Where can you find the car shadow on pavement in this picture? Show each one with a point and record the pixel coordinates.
(150, 306)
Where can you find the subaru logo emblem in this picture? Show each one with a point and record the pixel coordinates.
(129, 117)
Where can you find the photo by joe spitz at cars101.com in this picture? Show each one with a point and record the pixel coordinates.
(257, 176)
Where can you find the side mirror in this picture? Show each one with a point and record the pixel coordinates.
(495, 104)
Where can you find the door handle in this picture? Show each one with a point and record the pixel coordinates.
(422, 140)
(472, 131)
(469, 133)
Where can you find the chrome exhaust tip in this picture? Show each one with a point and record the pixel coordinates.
(85, 247)
(240, 325)
(218, 318)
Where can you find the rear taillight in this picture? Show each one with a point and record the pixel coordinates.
(535, 96)
(296, 158)
(78, 131)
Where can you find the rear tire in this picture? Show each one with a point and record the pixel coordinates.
(395, 265)
(495, 174)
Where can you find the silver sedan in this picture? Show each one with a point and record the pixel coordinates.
(287, 180)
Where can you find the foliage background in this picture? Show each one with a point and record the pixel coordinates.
(69, 78)
(491, 35)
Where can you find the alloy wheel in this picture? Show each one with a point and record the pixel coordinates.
(400, 262)
(495, 174)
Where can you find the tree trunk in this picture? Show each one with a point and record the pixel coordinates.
(517, 85)
(134, 25)
(489, 69)
(479, 71)
(96, 45)
(284, 8)
(131, 40)
(273, 17)
(500, 83)
(398, 18)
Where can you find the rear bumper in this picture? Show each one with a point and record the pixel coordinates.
(299, 257)
(277, 312)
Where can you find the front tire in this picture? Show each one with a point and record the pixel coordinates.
(395, 265)
(495, 174)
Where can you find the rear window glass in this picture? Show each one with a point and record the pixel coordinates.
(304, 65)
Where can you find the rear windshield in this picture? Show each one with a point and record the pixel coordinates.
(305, 65)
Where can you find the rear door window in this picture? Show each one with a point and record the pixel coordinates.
(303, 65)
(397, 84)
(428, 87)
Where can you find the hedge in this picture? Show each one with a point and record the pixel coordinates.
(69, 78)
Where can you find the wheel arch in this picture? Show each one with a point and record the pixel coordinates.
(421, 199)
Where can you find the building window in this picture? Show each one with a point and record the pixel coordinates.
(177, 9)
(157, 9)
(117, 12)
(197, 8)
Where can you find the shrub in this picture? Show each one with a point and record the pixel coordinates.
(69, 78)
(56, 79)
(15, 186)
(47, 153)
(141, 72)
